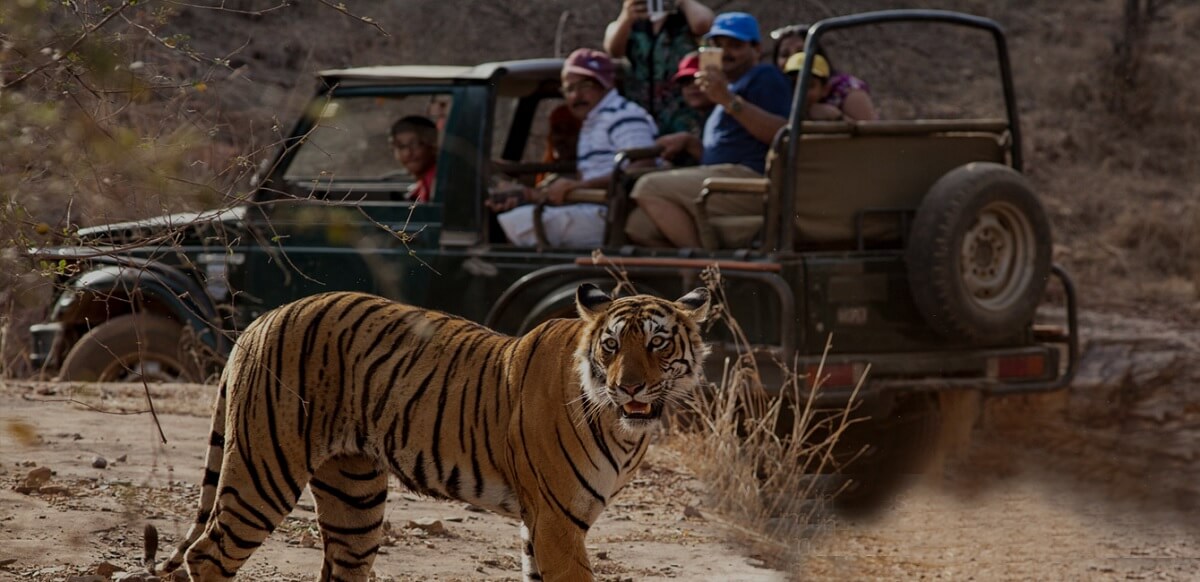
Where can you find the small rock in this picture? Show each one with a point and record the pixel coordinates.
(122, 458)
(474, 508)
(99, 462)
(454, 519)
(54, 490)
(34, 480)
(87, 578)
(690, 511)
(428, 525)
(106, 569)
(7, 562)
(601, 555)
(133, 577)
(27, 463)
(307, 540)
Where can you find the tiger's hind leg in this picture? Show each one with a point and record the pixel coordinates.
(251, 501)
(350, 493)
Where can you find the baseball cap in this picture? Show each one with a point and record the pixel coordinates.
(689, 65)
(591, 63)
(739, 25)
(820, 66)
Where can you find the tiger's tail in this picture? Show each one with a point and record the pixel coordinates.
(208, 494)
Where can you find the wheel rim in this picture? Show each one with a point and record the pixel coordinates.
(997, 256)
(152, 368)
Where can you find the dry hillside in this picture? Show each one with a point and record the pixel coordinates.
(170, 105)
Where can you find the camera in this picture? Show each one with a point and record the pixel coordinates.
(659, 9)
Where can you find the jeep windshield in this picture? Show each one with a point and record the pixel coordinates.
(348, 140)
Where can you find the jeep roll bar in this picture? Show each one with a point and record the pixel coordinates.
(796, 121)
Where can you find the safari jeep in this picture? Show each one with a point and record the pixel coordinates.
(917, 245)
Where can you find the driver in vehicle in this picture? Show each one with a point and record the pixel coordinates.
(414, 142)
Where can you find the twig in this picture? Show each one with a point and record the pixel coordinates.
(70, 49)
(365, 19)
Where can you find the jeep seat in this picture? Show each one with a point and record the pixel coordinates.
(849, 173)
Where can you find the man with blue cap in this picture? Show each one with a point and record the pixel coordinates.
(753, 101)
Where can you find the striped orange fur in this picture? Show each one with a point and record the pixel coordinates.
(337, 391)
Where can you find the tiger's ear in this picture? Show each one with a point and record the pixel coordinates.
(695, 304)
(591, 301)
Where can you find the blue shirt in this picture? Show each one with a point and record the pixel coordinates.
(725, 140)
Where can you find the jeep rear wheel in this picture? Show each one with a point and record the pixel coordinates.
(979, 254)
(131, 348)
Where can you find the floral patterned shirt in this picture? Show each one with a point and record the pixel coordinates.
(653, 59)
(840, 85)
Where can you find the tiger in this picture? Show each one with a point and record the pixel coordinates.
(336, 391)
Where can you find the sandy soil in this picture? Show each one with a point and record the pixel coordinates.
(85, 516)
(1013, 508)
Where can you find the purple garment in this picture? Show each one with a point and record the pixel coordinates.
(840, 85)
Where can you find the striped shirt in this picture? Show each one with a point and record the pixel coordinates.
(615, 124)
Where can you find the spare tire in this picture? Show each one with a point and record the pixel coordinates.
(979, 253)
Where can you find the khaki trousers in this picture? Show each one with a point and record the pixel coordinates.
(682, 186)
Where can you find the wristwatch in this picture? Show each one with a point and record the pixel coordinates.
(737, 104)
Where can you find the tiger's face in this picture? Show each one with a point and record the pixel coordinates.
(639, 353)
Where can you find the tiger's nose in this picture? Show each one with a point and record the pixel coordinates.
(631, 389)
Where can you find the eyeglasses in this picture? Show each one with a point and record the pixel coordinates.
(577, 86)
(406, 145)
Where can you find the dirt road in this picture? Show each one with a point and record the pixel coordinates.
(86, 515)
(1009, 510)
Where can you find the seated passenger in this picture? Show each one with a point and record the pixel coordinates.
(753, 102)
(414, 142)
(654, 44)
(789, 40)
(683, 148)
(610, 123)
(832, 95)
(562, 140)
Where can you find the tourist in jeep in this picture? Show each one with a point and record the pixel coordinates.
(753, 101)
(611, 123)
(414, 141)
(683, 148)
(832, 96)
(654, 43)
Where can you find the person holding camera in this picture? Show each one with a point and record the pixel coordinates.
(610, 123)
(654, 36)
(753, 101)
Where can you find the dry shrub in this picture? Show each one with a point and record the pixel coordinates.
(767, 459)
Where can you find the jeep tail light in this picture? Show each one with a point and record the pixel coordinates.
(834, 375)
(1017, 367)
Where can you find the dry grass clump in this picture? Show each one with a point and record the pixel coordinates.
(767, 458)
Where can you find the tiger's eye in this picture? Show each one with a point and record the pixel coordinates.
(657, 342)
(609, 344)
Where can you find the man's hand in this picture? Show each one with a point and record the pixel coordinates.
(632, 10)
(673, 143)
(557, 191)
(715, 85)
(506, 199)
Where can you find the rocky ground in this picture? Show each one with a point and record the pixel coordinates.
(1098, 483)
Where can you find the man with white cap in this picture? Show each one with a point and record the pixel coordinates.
(611, 123)
(753, 102)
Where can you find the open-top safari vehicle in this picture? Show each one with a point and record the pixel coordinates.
(917, 244)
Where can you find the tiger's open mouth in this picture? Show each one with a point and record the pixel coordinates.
(641, 410)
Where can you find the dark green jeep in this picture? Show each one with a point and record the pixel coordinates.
(918, 245)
